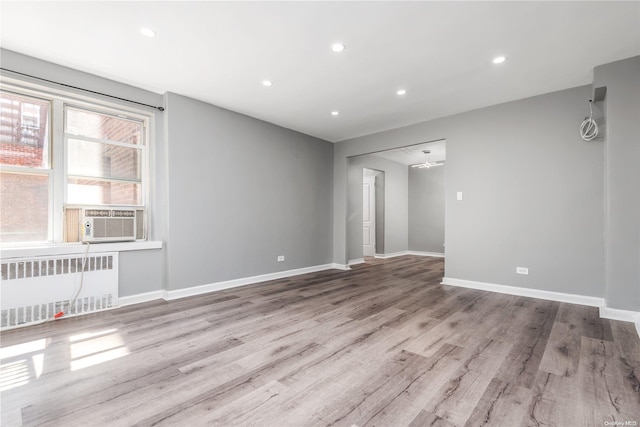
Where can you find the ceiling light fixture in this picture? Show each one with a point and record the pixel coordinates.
(267, 83)
(147, 32)
(337, 47)
(427, 163)
(335, 113)
(499, 59)
(401, 92)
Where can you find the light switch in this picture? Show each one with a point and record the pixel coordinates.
(459, 195)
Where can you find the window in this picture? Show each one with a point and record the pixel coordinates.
(57, 154)
(25, 177)
(104, 157)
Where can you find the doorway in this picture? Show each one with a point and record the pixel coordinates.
(410, 210)
(368, 213)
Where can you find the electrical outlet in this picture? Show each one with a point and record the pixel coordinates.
(280, 258)
(459, 195)
(522, 270)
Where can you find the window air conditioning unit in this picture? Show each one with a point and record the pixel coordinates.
(108, 225)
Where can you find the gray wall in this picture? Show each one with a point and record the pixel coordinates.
(242, 191)
(228, 193)
(426, 209)
(140, 271)
(622, 181)
(532, 190)
(395, 205)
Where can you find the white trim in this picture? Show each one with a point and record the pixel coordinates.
(525, 292)
(139, 298)
(392, 255)
(416, 253)
(356, 261)
(431, 254)
(617, 314)
(622, 315)
(370, 183)
(77, 248)
(78, 137)
(605, 312)
(203, 289)
(198, 290)
(58, 162)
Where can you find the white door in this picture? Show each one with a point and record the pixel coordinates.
(368, 216)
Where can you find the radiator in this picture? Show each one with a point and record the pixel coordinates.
(35, 289)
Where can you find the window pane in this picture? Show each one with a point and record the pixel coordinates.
(24, 207)
(24, 131)
(87, 158)
(96, 125)
(95, 192)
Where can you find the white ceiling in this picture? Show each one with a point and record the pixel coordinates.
(440, 52)
(414, 153)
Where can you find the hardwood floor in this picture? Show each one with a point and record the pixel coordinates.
(382, 345)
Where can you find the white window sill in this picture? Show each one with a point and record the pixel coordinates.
(77, 249)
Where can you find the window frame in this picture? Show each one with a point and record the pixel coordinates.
(45, 170)
(142, 147)
(57, 168)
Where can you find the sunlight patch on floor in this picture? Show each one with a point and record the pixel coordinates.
(98, 358)
(94, 348)
(87, 335)
(24, 348)
(15, 373)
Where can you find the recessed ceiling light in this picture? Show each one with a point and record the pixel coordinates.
(337, 47)
(499, 59)
(147, 32)
(401, 92)
(267, 83)
(335, 113)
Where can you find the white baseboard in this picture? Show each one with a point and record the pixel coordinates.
(605, 312)
(203, 289)
(431, 254)
(617, 314)
(623, 315)
(392, 254)
(138, 298)
(356, 261)
(402, 253)
(525, 292)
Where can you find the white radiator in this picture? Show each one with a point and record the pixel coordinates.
(37, 288)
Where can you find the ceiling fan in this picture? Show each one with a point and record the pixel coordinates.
(427, 163)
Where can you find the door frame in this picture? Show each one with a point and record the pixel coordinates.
(369, 250)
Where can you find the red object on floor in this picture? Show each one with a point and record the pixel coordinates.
(58, 315)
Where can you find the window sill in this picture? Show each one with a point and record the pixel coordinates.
(77, 249)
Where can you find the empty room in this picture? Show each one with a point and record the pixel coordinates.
(320, 213)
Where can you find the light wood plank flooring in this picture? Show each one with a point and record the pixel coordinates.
(382, 345)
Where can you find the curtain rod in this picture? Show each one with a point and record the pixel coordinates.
(85, 90)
